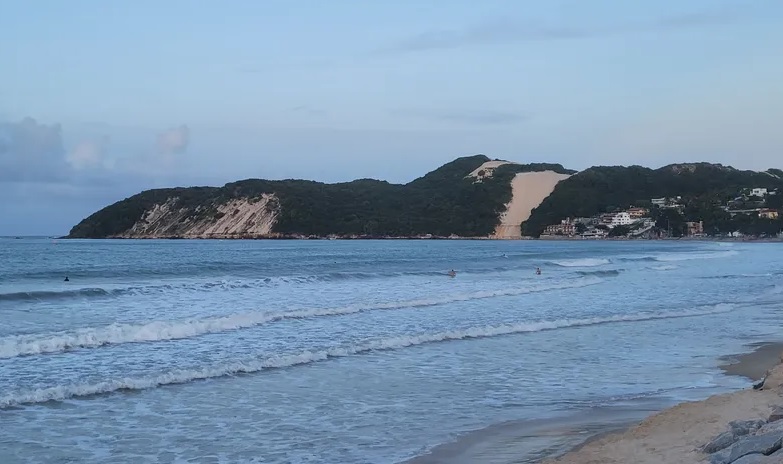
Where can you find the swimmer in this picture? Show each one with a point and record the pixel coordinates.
(538, 271)
(67, 279)
(452, 273)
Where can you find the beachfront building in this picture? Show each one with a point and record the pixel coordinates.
(566, 227)
(621, 219)
(766, 213)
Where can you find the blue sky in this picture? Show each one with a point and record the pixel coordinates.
(99, 100)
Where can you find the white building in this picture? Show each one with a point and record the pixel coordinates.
(659, 202)
(758, 192)
(621, 219)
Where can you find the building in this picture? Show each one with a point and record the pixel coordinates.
(695, 228)
(767, 213)
(621, 219)
(566, 227)
(659, 202)
(758, 192)
(637, 213)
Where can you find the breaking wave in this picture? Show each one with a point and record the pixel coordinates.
(583, 262)
(607, 273)
(691, 256)
(154, 331)
(181, 376)
(54, 295)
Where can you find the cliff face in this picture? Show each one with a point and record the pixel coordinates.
(235, 218)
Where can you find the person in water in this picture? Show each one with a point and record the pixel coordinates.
(452, 273)
(67, 279)
(538, 271)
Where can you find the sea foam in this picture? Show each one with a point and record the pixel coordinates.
(283, 360)
(154, 331)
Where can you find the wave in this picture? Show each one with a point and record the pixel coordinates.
(181, 376)
(607, 273)
(48, 295)
(691, 256)
(583, 262)
(154, 331)
(55, 295)
(669, 267)
(739, 276)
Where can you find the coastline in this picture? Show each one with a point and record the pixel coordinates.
(678, 434)
(651, 433)
(384, 237)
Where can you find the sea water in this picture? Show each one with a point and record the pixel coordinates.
(354, 351)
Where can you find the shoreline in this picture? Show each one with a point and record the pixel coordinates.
(437, 238)
(620, 435)
(677, 435)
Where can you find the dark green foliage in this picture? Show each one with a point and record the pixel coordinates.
(441, 203)
(619, 231)
(703, 187)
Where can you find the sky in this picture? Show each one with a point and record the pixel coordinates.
(100, 100)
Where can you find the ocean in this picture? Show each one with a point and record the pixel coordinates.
(357, 351)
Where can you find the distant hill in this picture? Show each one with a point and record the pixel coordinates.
(447, 201)
(468, 197)
(599, 189)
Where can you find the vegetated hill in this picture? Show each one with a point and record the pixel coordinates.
(601, 189)
(441, 203)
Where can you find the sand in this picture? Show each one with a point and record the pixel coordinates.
(675, 435)
(528, 189)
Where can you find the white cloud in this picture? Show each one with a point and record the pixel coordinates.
(174, 140)
(88, 154)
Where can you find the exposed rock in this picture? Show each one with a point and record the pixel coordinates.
(722, 441)
(753, 459)
(760, 444)
(772, 427)
(777, 414)
(746, 427)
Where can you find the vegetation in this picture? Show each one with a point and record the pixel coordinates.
(441, 203)
(704, 188)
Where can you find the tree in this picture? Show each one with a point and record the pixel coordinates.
(619, 231)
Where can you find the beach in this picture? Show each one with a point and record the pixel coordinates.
(678, 435)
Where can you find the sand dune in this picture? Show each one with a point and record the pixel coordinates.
(529, 189)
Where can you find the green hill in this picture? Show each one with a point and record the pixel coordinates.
(704, 187)
(441, 203)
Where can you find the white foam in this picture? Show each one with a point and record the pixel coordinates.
(92, 337)
(664, 268)
(180, 376)
(584, 262)
(690, 256)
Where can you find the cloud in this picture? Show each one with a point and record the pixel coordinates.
(31, 152)
(88, 154)
(510, 31)
(174, 140)
(471, 117)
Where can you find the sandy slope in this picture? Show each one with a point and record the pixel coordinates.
(675, 435)
(529, 189)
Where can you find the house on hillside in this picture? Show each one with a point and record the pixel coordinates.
(758, 192)
(767, 213)
(621, 219)
(637, 213)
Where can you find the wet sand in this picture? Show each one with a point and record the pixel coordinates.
(753, 365)
(616, 435)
